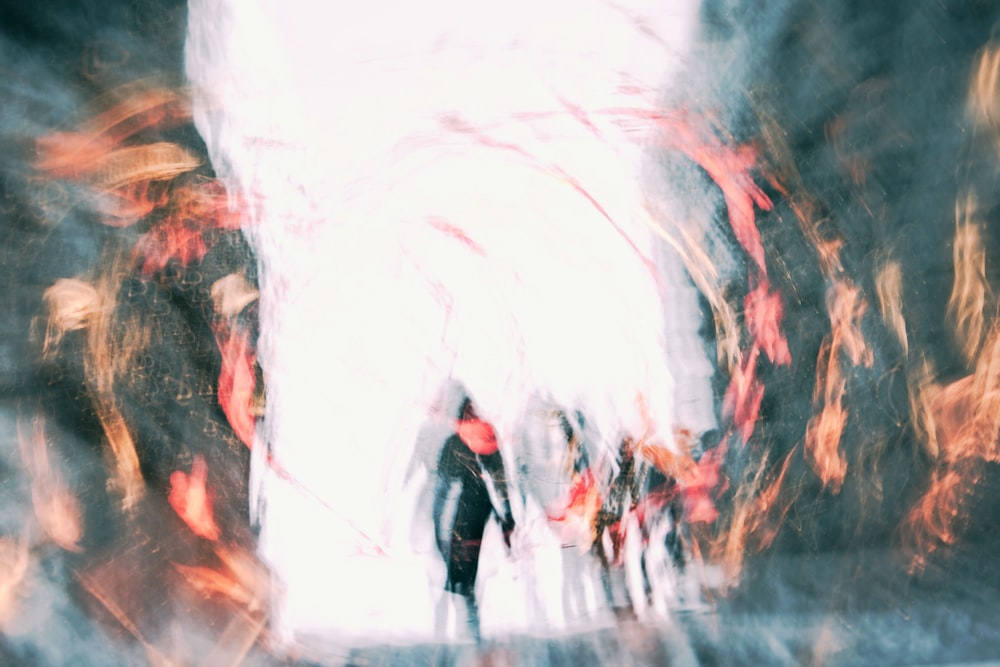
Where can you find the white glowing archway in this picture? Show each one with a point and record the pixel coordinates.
(439, 190)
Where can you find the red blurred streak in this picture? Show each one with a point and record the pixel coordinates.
(199, 208)
(584, 499)
(580, 114)
(763, 311)
(576, 185)
(700, 483)
(654, 502)
(192, 500)
(195, 209)
(456, 233)
(237, 382)
(179, 239)
(458, 125)
(286, 476)
(128, 204)
(478, 436)
(729, 167)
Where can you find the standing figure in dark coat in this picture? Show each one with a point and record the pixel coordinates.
(469, 464)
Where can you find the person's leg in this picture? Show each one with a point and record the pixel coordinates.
(474, 511)
(472, 614)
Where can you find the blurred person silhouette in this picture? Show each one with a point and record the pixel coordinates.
(468, 466)
(623, 495)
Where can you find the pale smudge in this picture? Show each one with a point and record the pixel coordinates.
(71, 303)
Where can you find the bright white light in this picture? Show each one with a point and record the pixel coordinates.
(399, 250)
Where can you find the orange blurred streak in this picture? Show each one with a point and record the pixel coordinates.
(76, 155)
(191, 499)
(968, 410)
(147, 162)
(105, 359)
(248, 571)
(208, 582)
(788, 183)
(757, 514)
(856, 165)
(57, 510)
(128, 204)
(128, 476)
(742, 400)
(672, 465)
(984, 90)
(106, 598)
(769, 501)
(822, 441)
(934, 520)
(889, 290)
(846, 308)
(967, 422)
(968, 294)
(706, 278)
(121, 176)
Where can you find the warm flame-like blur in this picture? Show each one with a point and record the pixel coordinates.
(124, 172)
(968, 295)
(984, 91)
(960, 421)
(755, 519)
(238, 383)
(57, 510)
(192, 499)
(822, 443)
(121, 178)
(888, 289)
(966, 422)
(125, 178)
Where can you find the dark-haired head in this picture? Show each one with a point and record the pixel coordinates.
(467, 410)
